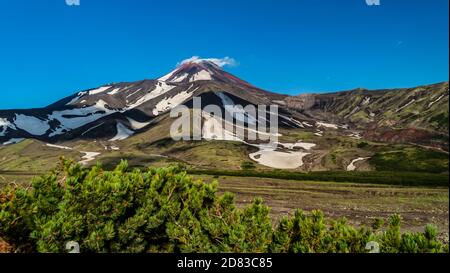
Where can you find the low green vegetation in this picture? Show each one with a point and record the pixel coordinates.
(416, 179)
(411, 160)
(362, 145)
(441, 121)
(248, 165)
(166, 210)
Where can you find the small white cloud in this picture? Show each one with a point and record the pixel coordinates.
(227, 61)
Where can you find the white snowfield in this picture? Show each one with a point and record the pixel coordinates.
(136, 125)
(79, 117)
(131, 94)
(203, 75)
(169, 103)
(13, 141)
(436, 100)
(239, 113)
(299, 144)
(216, 128)
(71, 119)
(122, 132)
(406, 105)
(269, 157)
(168, 76)
(279, 160)
(180, 78)
(58, 146)
(88, 157)
(4, 122)
(99, 90)
(31, 124)
(327, 125)
(298, 123)
(366, 101)
(352, 167)
(74, 99)
(79, 96)
(115, 148)
(319, 133)
(160, 89)
(4, 125)
(355, 135)
(213, 129)
(114, 91)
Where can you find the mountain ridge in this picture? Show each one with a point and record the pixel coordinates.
(109, 107)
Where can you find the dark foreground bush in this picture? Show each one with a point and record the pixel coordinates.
(165, 210)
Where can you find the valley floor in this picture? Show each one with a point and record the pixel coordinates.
(359, 203)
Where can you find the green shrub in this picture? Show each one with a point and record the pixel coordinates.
(378, 223)
(165, 210)
(362, 145)
(247, 165)
(417, 179)
(411, 160)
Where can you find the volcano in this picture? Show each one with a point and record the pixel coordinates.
(118, 110)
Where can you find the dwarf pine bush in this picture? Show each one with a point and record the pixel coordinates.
(165, 210)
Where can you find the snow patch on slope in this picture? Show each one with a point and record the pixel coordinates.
(136, 125)
(352, 167)
(160, 89)
(326, 125)
(438, 99)
(99, 90)
(114, 91)
(180, 78)
(75, 118)
(131, 94)
(166, 77)
(58, 146)
(213, 129)
(299, 144)
(406, 105)
(74, 100)
(13, 141)
(201, 76)
(4, 125)
(122, 132)
(279, 160)
(239, 113)
(366, 101)
(319, 133)
(169, 103)
(88, 157)
(31, 124)
(355, 135)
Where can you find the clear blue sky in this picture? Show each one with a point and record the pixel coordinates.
(50, 50)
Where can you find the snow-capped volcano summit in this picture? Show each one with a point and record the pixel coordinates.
(202, 70)
(192, 71)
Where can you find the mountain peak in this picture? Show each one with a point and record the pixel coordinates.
(218, 62)
(189, 72)
(196, 69)
(200, 64)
